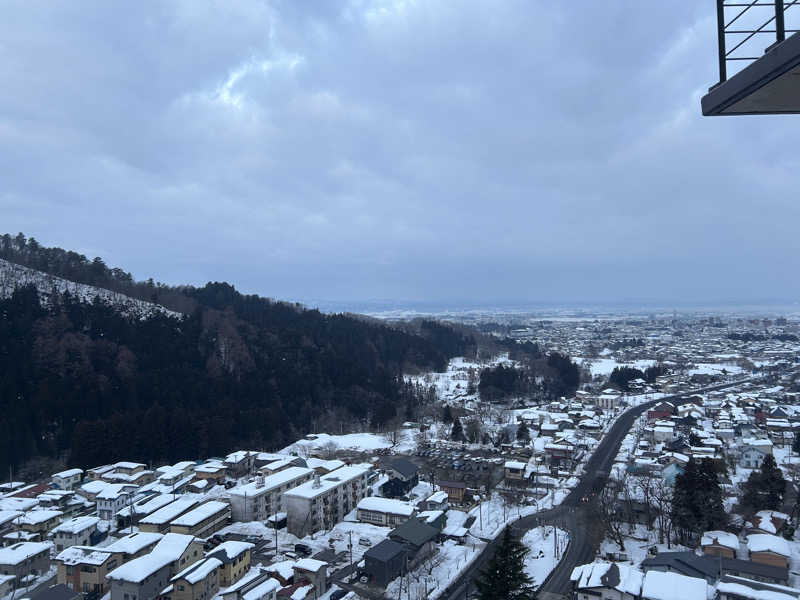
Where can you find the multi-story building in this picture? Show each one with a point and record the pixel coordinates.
(259, 500)
(323, 502)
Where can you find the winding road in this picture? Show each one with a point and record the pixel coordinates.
(572, 514)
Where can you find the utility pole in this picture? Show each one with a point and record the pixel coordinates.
(350, 547)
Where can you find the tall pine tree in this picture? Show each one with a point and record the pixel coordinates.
(504, 576)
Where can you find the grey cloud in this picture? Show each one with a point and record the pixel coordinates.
(395, 149)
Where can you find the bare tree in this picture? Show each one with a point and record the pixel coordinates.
(609, 514)
(661, 495)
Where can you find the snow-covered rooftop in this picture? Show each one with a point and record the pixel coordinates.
(765, 542)
(76, 525)
(673, 586)
(386, 505)
(201, 513)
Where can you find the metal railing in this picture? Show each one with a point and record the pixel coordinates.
(740, 9)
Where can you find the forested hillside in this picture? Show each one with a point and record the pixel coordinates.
(91, 384)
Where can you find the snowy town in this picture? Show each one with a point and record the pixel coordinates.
(664, 407)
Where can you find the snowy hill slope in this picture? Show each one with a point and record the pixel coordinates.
(13, 276)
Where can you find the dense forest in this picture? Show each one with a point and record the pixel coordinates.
(622, 376)
(87, 384)
(537, 377)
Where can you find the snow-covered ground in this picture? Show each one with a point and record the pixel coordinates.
(636, 543)
(451, 386)
(604, 366)
(13, 276)
(546, 550)
(435, 574)
(357, 442)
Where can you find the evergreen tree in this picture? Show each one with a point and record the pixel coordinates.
(764, 488)
(523, 433)
(447, 414)
(504, 576)
(708, 498)
(773, 483)
(457, 434)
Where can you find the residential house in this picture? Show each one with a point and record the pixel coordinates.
(558, 454)
(257, 585)
(213, 471)
(134, 545)
(308, 571)
(662, 410)
(199, 581)
(668, 586)
(768, 549)
(753, 451)
(144, 578)
(740, 588)
(113, 498)
(455, 490)
(240, 463)
(133, 513)
(403, 476)
(324, 501)
(514, 471)
(719, 543)
(417, 537)
(383, 512)
(25, 558)
(609, 581)
(84, 568)
(204, 520)
(38, 522)
(385, 561)
(75, 532)
(7, 520)
(159, 521)
(436, 501)
(67, 480)
(263, 498)
(234, 557)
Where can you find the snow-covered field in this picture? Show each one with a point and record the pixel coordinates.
(604, 366)
(545, 551)
(357, 442)
(451, 386)
(13, 276)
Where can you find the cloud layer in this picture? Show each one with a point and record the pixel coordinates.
(476, 151)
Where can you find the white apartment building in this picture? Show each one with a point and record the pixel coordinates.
(323, 502)
(259, 500)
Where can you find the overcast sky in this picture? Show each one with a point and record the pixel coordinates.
(433, 150)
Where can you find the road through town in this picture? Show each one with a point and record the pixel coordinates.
(573, 515)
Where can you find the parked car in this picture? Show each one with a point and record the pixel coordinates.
(364, 542)
(303, 550)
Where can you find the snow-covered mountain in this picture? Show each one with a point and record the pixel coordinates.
(13, 276)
